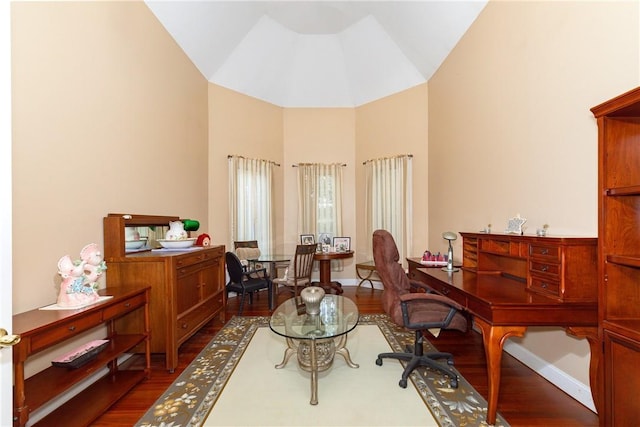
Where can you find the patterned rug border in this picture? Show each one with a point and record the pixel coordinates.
(188, 401)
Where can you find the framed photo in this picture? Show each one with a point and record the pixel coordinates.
(342, 244)
(307, 239)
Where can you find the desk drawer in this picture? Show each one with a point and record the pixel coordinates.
(63, 331)
(536, 266)
(545, 286)
(551, 253)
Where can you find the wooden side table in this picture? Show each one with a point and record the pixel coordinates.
(324, 258)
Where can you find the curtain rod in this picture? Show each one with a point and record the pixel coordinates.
(242, 157)
(295, 165)
(387, 158)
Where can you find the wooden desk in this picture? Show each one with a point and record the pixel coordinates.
(496, 288)
(324, 258)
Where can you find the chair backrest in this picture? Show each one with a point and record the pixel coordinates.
(393, 277)
(234, 267)
(302, 263)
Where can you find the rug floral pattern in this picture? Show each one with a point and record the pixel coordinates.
(188, 401)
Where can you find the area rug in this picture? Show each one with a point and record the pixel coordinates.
(233, 382)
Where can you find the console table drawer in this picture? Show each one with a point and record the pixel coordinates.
(65, 330)
(545, 286)
(187, 323)
(124, 307)
(546, 252)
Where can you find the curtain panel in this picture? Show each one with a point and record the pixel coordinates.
(250, 198)
(389, 200)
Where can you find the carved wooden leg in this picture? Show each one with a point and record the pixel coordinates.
(494, 338)
(595, 363)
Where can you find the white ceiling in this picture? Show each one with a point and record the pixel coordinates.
(317, 53)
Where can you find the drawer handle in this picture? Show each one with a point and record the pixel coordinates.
(127, 305)
(445, 291)
(544, 285)
(545, 252)
(184, 326)
(545, 268)
(72, 328)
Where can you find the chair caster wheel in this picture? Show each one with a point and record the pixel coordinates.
(454, 383)
(379, 362)
(403, 383)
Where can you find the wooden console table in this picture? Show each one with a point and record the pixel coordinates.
(42, 329)
(511, 282)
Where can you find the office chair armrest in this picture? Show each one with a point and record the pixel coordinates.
(419, 296)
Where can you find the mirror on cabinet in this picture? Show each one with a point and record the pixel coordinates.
(129, 233)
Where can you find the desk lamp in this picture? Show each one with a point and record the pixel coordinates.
(449, 236)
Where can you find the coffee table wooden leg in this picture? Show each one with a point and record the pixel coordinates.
(494, 338)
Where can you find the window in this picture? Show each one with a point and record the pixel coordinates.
(389, 202)
(250, 184)
(320, 199)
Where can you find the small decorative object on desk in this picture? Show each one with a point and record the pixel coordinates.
(435, 259)
(81, 356)
(542, 231)
(514, 226)
(312, 297)
(79, 278)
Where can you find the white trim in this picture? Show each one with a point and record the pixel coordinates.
(574, 388)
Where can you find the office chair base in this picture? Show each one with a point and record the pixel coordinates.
(428, 360)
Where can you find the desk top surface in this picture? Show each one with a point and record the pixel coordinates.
(501, 300)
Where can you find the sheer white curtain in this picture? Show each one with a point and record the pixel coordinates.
(389, 202)
(320, 199)
(250, 184)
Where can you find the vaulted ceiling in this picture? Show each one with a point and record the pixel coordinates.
(317, 53)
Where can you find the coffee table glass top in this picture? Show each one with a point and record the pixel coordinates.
(338, 316)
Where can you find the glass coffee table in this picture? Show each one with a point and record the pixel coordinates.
(316, 339)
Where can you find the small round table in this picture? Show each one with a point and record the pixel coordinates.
(324, 258)
(315, 338)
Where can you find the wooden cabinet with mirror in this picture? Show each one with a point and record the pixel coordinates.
(187, 286)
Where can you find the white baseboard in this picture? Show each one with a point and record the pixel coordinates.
(574, 388)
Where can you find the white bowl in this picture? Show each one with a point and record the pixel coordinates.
(134, 244)
(177, 244)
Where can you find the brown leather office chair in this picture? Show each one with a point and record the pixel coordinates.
(417, 311)
(298, 274)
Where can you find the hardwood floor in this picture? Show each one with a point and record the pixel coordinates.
(526, 399)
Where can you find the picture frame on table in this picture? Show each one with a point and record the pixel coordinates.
(342, 244)
(307, 239)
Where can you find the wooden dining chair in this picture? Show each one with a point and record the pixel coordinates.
(298, 274)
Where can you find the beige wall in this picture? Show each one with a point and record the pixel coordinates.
(244, 126)
(510, 126)
(109, 115)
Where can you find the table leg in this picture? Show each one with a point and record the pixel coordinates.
(341, 349)
(367, 278)
(292, 348)
(595, 363)
(494, 338)
(325, 278)
(314, 374)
